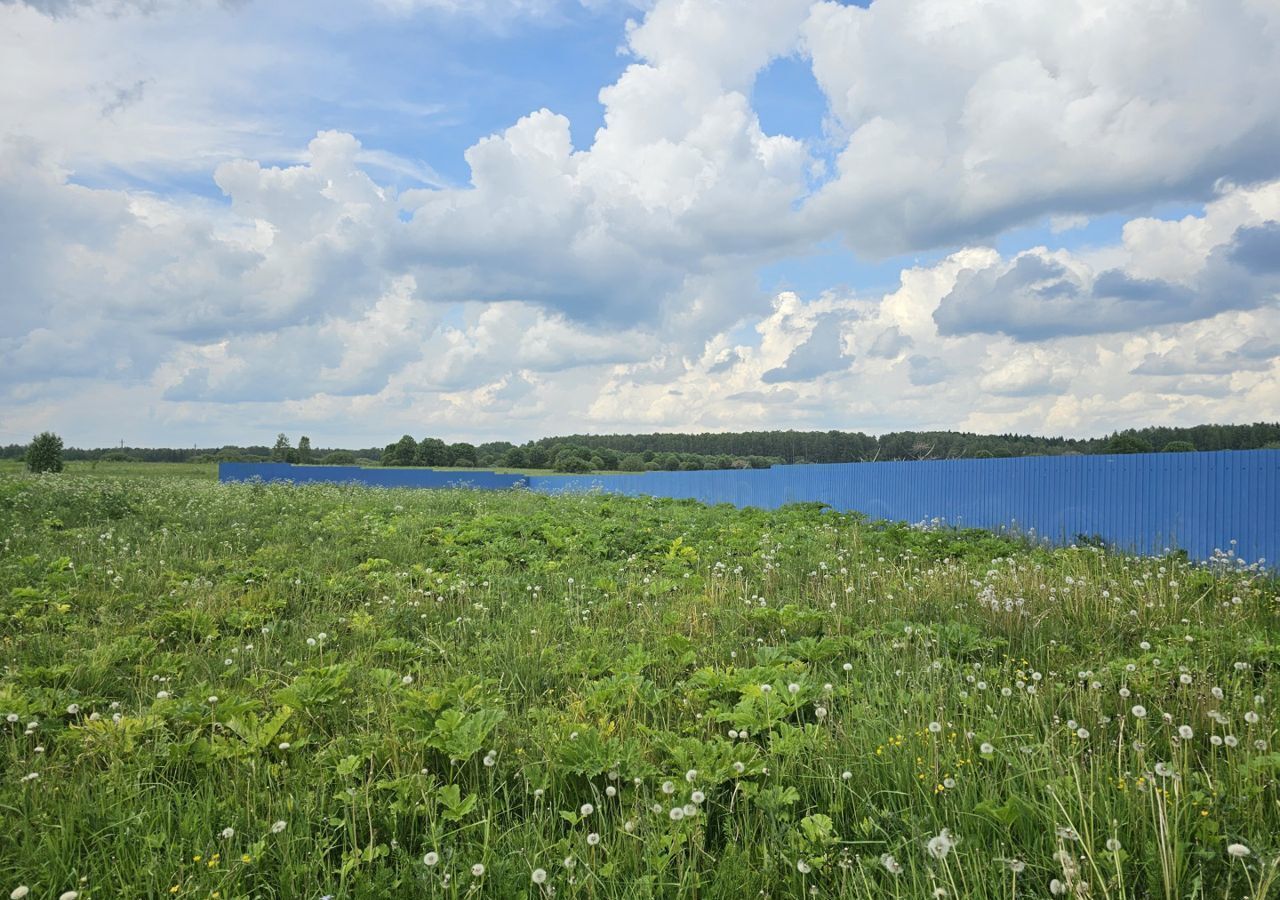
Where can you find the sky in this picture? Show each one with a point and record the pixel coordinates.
(506, 219)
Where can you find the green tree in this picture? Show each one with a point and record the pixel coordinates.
(632, 462)
(462, 454)
(339, 458)
(433, 452)
(1178, 447)
(569, 459)
(45, 453)
(304, 449)
(280, 452)
(1127, 443)
(401, 453)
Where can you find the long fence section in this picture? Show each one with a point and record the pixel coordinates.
(1227, 501)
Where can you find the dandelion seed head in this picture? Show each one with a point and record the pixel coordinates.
(940, 844)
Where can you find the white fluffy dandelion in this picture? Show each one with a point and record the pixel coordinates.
(941, 844)
(539, 876)
(477, 870)
(1237, 851)
(278, 826)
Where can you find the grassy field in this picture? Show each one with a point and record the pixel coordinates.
(262, 691)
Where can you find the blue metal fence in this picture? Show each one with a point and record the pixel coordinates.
(1197, 502)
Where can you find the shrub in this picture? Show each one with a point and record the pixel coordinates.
(45, 453)
(1127, 443)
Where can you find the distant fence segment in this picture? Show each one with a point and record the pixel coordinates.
(411, 478)
(1145, 502)
(1142, 502)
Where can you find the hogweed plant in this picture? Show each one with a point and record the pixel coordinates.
(249, 690)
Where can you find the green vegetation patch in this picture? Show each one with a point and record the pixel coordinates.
(270, 691)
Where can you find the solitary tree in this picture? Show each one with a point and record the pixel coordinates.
(45, 453)
(280, 452)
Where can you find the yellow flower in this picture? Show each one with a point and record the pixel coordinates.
(175, 889)
(246, 858)
(197, 858)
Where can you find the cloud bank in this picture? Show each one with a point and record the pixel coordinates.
(614, 283)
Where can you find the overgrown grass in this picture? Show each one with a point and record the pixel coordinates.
(104, 469)
(529, 683)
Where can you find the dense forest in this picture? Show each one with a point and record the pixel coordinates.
(707, 450)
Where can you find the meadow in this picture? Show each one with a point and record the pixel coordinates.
(234, 691)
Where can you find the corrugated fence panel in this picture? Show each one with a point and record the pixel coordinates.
(1145, 502)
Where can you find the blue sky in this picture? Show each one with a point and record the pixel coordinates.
(512, 218)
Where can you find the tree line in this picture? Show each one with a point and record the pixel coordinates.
(758, 449)
(706, 450)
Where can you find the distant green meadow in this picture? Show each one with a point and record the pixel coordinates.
(262, 691)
